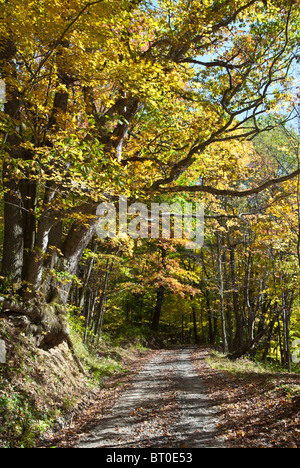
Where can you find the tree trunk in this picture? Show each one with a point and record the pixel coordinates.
(158, 309)
(101, 309)
(160, 296)
(195, 325)
(228, 308)
(13, 245)
(267, 343)
(212, 320)
(239, 334)
(246, 347)
(251, 343)
(286, 319)
(221, 290)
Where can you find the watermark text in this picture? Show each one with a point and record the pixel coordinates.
(158, 221)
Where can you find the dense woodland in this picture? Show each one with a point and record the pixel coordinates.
(160, 101)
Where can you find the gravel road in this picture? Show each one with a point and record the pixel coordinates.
(166, 407)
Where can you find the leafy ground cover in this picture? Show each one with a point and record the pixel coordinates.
(149, 407)
(259, 408)
(44, 397)
(95, 405)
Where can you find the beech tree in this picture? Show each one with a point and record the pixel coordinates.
(123, 97)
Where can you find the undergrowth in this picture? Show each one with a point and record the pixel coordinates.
(239, 367)
(245, 365)
(38, 387)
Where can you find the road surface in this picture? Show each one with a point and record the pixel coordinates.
(166, 406)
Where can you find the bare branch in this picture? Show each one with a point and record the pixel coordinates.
(231, 192)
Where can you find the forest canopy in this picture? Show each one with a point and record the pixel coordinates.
(163, 101)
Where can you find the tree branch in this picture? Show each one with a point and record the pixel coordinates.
(229, 192)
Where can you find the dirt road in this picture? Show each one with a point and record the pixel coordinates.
(165, 407)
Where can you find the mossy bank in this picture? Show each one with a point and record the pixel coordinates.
(39, 387)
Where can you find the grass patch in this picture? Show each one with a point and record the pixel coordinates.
(107, 358)
(239, 368)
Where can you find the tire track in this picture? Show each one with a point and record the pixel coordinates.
(165, 407)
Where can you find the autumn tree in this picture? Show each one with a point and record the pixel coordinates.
(250, 260)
